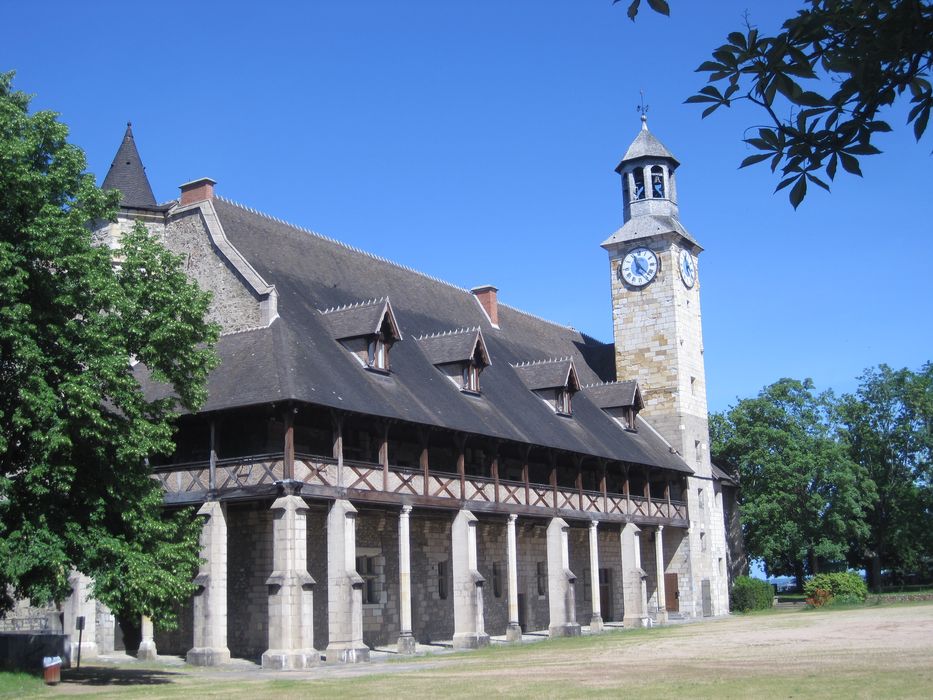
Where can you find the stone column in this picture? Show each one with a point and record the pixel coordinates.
(560, 582)
(291, 596)
(659, 560)
(596, 621)
(80, 604)
(634, 593)
(406, 642)
(210, 599)
(513, 632)
(344, 587)
(147, 646)
(469, 626)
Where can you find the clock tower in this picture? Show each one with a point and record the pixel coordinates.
(659, 341)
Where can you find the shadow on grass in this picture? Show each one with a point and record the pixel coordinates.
(101, 676)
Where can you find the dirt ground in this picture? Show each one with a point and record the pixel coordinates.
(884, 651)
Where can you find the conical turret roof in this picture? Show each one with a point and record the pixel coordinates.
(128, 175)
(646, 145)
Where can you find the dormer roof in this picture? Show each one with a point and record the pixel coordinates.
(646, 145)
(362, 319)
(615, 394)
(455, 346)
(128, 175)
(549, 374)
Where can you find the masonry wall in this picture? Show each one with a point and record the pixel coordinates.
(377, 538)
(493, 562)
(249, 565)
(432, 614)
(532, 549)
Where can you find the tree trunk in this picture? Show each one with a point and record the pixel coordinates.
(798, 574)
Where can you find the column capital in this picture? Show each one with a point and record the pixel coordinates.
(594, 524)
(512, 517)
(406, 511)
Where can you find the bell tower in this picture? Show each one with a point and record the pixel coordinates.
(658, 335)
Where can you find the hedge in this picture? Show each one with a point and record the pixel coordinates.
(750, 594)
(825, 589)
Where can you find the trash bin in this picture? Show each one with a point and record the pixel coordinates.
(52, 667)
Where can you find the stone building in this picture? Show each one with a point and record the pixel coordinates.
(387, 459)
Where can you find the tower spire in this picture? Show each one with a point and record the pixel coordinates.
(128, 175)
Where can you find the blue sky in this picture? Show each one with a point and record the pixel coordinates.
(476, 142)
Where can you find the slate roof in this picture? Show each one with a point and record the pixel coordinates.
(365, 318)
(721, 475)
(613, 394)
(453, 346)
(548, 374)
(647, 145)
(649, 225)
(297, 357)
(128, 175)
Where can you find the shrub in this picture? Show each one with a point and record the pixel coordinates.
(750, 594)
(828, 589)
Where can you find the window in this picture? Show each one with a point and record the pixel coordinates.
(542, 578)
(657, 182)
(702, 541)
(701, 499)
(442, 580)
(378, 353)
(471, 377)
(497, 579)
(366, 568)
(639, 177)
(564, 402)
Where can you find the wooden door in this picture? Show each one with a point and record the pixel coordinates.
(671, 593)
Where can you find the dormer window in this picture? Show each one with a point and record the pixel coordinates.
(657, 182)
(367, 330)
(460, 355)
(620, 400)
(554, 381)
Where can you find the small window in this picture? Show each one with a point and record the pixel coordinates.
(366, 568)
(639, 177)
(542, 578)
(378, 354)
(657, 182)
(701, 499)
(702, 541)
(442, 580)
(564, 404)
(497, 579)
(471, 373)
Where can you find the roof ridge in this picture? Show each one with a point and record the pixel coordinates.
(316, 234)
(550, 360)
(458, 331)
(356, 305)
(610, 383)
(244, 330)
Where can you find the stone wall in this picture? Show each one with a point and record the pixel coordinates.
(532, 551)
(432, 614)
(377, 538)
(249, 564)
(492, 562)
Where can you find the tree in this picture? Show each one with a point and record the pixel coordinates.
(75, 428)
(803, 499)
(822, 83)
(889, 430)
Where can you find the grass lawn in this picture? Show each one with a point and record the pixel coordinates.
(880, 651)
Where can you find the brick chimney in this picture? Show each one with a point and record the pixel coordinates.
(197, 191)
(486, 296)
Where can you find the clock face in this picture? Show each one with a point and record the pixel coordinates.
(639, 267)
(688, 268)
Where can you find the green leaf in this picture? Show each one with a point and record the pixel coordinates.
(798, 192)
(660, 6)
(817, 181)
(850, 164)
(757, 158)
(811, 99)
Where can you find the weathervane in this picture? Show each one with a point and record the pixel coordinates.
(643, 109)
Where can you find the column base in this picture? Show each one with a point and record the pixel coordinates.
(513, 632)
(596, 623)
(470, 641)
(146, 651)
(634, 622)
(407, 644)
(346, 655)
(569, 629)
(290, 660)
(208, 656)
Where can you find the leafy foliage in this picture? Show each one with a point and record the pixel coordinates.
(803, 498)
(841, 587)
(822, 83)
(750, 594)
(75, 428)
(889, 430)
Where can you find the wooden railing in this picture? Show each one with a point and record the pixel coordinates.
(192, 480)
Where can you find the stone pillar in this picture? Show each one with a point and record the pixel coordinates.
(513, 632)
(596, 621)
(344, 587)
(659, 560)
(406, 642)
(291, 596)
(210, 599)
(560, 582)
(634, 593)
(469, 626)
(80, 604)
(147, 646)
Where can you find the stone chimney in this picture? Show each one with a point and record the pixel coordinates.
(197, 191)
(486, 296)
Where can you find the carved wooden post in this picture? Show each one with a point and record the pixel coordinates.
(460, 439)
(384, 455)
(288, 460)
(626, 491)
(424, 435)
(494, 468)
(667, 496)
(602, 485)
(525, 453)
(337, 420)
(552, 476)
(578, 463)
(212, 469)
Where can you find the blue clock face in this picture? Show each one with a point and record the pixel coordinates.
(688, 269)
(638, 267)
